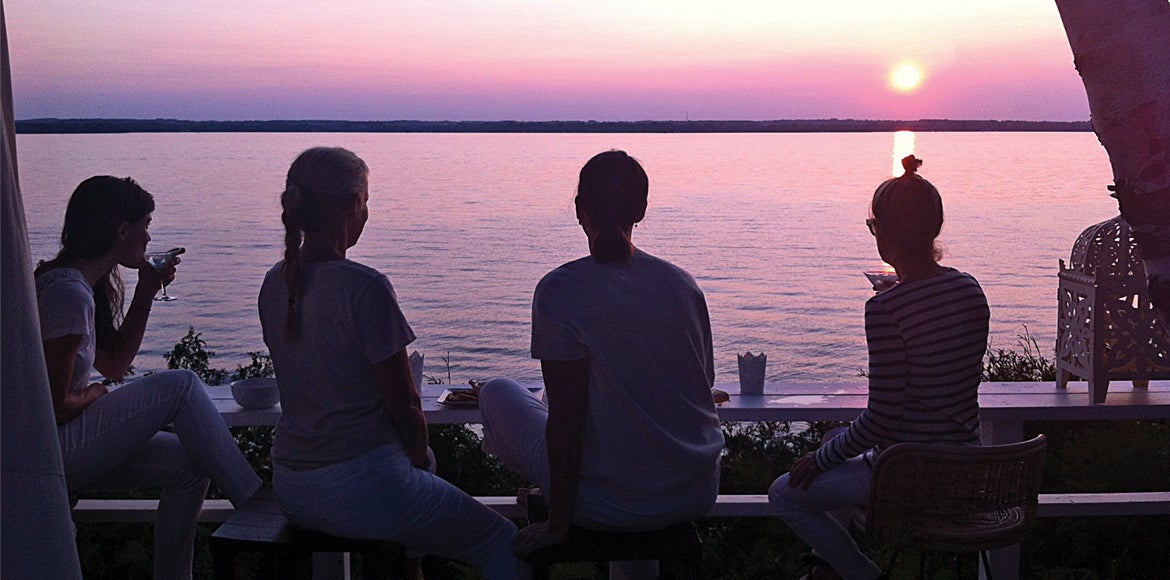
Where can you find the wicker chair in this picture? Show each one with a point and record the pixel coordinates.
(954, 499)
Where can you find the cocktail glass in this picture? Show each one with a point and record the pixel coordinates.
(160, 260)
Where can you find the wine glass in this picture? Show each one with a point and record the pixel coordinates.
(160, 260)
(882, 279)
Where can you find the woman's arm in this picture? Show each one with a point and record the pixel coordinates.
(401, 398)
(113, 364)
(888, 375)
(567, 385)
(60, 358)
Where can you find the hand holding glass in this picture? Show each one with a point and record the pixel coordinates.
(160, 260)
(882, 280)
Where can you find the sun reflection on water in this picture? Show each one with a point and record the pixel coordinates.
(903, 146)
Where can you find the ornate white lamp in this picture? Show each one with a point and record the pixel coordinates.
(1106, 328)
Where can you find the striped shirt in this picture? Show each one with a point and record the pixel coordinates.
(926, 344)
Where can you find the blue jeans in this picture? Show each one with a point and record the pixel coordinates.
(116, 444)
(809, 512)
(379, 495)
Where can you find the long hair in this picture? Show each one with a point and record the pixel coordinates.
(97, 209)
(909, 212)
(322, 184)
(612, 190)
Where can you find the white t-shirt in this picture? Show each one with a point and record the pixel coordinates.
(331, 406)
(652, 438)
(65, 302)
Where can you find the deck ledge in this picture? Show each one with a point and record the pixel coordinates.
(1051, 505)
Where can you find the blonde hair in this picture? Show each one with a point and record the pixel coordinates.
(323, 184)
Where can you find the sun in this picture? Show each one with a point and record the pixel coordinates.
(906, 77)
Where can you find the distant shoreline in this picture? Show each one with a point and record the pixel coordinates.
(75, 126)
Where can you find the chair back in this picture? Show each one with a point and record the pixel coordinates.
(983, 496)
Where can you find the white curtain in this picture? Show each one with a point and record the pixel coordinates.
(36, 532)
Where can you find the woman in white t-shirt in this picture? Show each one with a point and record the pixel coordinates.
(114, 440)
(350, 456)
(629, 438)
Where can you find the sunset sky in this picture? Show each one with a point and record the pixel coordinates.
(542, 60)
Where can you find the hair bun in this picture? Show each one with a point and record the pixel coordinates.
(911, 164)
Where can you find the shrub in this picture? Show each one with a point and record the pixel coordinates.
(191, 353)
(1024, 365)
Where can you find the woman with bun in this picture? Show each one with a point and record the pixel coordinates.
(120, 439)
(629, 438)
(926, 335)
(350, 456)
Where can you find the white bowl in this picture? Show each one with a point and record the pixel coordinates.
(255, 393)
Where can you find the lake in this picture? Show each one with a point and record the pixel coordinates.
(770, 224)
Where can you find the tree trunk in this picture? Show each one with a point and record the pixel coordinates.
(1121, 48)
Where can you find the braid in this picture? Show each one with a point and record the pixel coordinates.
(290, 200)
(322, 186)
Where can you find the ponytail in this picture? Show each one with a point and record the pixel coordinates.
(612, 191)
(290, 200)
(611, 245)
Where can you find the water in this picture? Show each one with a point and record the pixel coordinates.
(771, 226)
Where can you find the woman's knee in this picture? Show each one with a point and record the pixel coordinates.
(780, 494)
(499, 386)
(498, 391)
(180, 382)
(185, 384)
(186, 379)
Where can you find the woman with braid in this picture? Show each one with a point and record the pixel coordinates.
(350, 456)
(629, 439)
(926, 336)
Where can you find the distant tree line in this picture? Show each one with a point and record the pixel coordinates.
(43, 126)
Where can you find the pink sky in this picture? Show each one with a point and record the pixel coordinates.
(527, 60)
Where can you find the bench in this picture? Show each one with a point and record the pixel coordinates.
(728, 506)
(737, 505)
(1051, 505)
(259, 527)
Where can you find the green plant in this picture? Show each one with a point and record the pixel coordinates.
(260, 367)
(191, 353)
(1025, 365)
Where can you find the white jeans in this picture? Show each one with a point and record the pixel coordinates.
(513, 429)
(380, 495)
(116, 444)
(809, 513)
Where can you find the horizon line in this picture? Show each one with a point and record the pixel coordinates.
(55, 126)
(779, 120)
